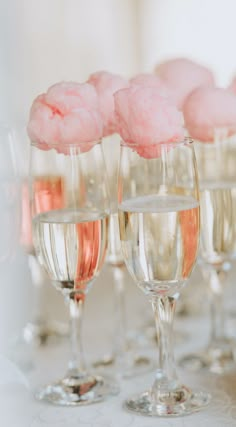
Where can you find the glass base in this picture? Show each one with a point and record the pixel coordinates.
(125, 368)
(217, 361)
(78, 390)
(40, 333)
(181, 401)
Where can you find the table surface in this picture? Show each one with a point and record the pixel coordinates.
(18, 408)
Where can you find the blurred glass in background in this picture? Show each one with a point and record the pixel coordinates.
(13, 269)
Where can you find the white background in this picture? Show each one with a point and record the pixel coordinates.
(42, 42)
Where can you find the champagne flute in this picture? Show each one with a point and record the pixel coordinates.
(159, 229)
(9, 232)
(9, 193)
(125, 358)
(70, 240)
(10, 257)
(217, 180)
(39, 329)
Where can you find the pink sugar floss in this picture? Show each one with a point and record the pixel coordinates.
(106, 84)
(152, 80)
(207, 110)
(68, 113)
(181, 76)
(146, 119)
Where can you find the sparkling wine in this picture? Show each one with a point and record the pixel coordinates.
(71, 245)
(218, 221)
(159, 236)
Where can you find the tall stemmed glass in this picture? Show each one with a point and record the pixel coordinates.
(125, 359)
(217, 181)
(9, 193)
(159, 229)
(39, 329)
(9, 232)
(70, 239)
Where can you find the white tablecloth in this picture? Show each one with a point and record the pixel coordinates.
(18, 408)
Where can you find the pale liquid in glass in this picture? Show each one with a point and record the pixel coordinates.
(71, 245)
(218, 221)
(159, 236)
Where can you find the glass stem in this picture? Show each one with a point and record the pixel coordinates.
(39, 315)
(76, 366)
(166, 376)
(120, 343)
(217, 306)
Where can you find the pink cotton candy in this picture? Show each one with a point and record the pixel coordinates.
(106, 84)
(182, 76)
(67, 97)
(207, 109)
(151, 151)
(145, 119)
(151, 80)
(87, 124)
(67, 114)
(44, 123)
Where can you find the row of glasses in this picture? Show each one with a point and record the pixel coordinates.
(158, 208)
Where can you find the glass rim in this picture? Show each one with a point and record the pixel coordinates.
(185, 141)
(220, 133)
(65, 144)
(229, 139)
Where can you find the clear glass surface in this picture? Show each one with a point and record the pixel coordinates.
(10, 219)
(40, 329)
(217, 181)
(126, 358)
(70, 208)
(9, 194)
(159, 224)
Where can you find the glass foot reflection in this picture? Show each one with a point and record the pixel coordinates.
(40, 333)
(218, 360)
(124, 366)
(181, 401)
(22, 349)
(78, 390)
